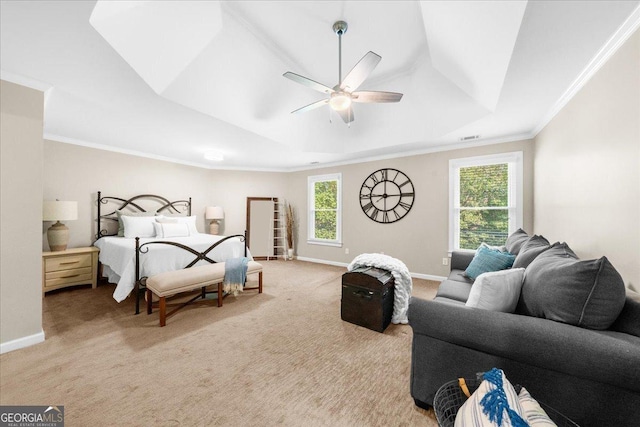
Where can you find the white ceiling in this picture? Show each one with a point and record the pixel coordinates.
(172, 80)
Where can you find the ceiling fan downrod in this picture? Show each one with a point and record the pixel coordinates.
(340, 27)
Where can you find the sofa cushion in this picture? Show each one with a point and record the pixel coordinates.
(487, 259)
(558, 286)
(629, 319)
(497, 290)
(516, 240)
(530, 249)
(452, 289)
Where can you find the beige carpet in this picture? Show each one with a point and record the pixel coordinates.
(283, 357)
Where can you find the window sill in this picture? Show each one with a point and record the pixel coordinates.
(324, 243)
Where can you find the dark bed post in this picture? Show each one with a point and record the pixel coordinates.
(98, 234)
(137, 283)
(245, 243)
(189, 206)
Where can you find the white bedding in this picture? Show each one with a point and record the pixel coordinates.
(117, 254)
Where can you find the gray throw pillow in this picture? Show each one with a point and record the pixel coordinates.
(529, 250)
(515, 241)
(558, 286)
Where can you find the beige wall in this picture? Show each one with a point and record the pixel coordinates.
(21, 119)
(73, 172)
(587, 163)
(420, 239)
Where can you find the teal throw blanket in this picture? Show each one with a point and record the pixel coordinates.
(235, 274)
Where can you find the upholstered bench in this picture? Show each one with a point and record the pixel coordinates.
(173, 282)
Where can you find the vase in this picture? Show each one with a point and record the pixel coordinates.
(289, 253)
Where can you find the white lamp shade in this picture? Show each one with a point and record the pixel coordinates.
(214, 212)
(59, 210)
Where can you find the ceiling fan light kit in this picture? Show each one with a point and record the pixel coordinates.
(344, 93)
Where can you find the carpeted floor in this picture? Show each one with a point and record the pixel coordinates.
(283, 357)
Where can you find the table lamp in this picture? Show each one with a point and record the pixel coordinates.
(215, 214)
(58, 233)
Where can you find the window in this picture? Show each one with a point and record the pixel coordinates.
(485, 200)
(325, 209)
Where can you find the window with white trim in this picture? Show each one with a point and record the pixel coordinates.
(325, 209)
(485, 200)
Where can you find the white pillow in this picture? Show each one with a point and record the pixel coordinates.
(190, 221)
(138, 226)
(165, 220)
(497, 290)
(535, 415)
(171, 229)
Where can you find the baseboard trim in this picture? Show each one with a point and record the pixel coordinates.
(23, 342)
(345, 265)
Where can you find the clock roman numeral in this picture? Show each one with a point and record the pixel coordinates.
(406, 206)
(407, 194)
(384, 173)
(365, 196)
(366, 208)
(375, 179)
(396, 214)
(385, 216)
(374, 213)
(404, 183)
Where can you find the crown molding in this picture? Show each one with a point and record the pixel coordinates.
(610, 47)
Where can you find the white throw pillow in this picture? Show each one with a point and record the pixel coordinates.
(171, 229)
(138, 226)
(497, 290)
(535, 415)
(165, 220)
(190, 221)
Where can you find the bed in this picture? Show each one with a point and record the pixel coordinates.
(128, 260)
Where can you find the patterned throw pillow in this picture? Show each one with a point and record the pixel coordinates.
(494, 403)
(486, 260)
(533, 412)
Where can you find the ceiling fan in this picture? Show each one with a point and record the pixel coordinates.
(344, 93)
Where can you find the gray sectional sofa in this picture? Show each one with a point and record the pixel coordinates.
(590, 372)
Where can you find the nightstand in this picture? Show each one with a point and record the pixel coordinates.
(77, 266)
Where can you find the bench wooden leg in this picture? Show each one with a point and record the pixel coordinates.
(260, 282)
(149, 302)
(163, 311)
(220, 296)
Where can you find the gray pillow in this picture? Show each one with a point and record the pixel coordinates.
(529, 250)
(120, 214)
(629, 319)
(558, 286)
(515, 241)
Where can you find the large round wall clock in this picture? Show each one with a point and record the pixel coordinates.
(387, 195)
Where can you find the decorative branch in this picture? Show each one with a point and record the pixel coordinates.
(289, 225)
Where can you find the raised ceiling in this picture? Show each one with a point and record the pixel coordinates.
(173, 80)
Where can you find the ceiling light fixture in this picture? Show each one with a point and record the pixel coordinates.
(216, 156)
(340, 101)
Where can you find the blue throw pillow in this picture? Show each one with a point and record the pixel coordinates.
(486, 260)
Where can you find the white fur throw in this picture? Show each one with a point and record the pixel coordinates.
(403, 283)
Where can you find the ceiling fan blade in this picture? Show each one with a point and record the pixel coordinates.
(311, 106)
(346, 115)
(308, 82)
(360, 72)
(373, 96)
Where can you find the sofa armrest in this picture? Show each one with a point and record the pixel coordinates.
(604, 356)
(460, 260)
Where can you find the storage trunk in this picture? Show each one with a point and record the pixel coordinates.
(367, 297)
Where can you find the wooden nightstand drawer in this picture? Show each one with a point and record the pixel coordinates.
(65, 277)
(76, 266)
(67, 262)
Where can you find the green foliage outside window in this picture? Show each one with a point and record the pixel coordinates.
(483, 187)
(326, 205)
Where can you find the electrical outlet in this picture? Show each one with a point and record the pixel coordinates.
(346, 251)
(445, 261)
